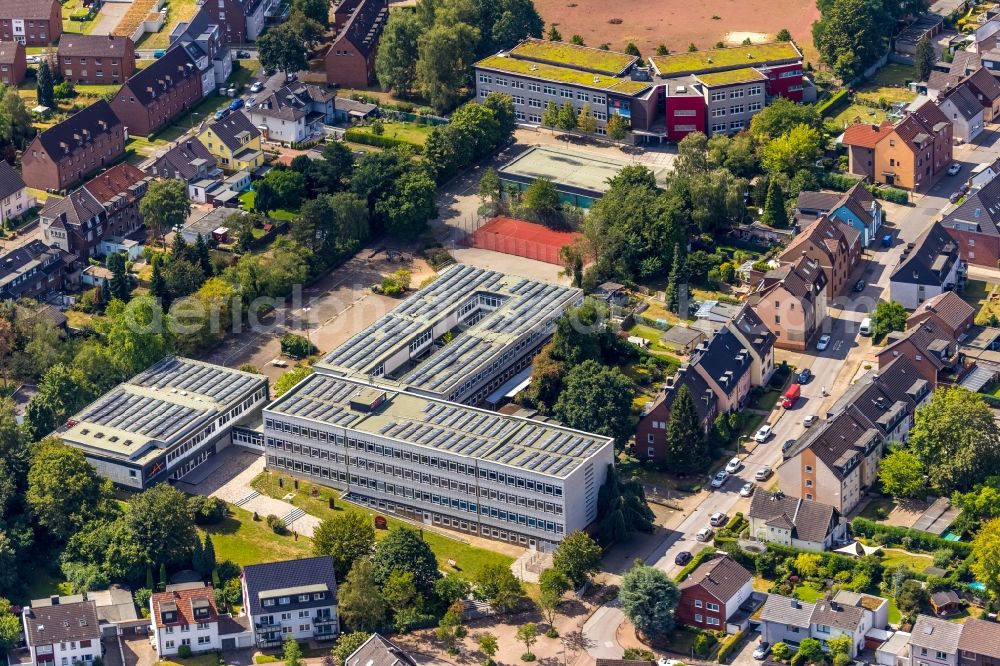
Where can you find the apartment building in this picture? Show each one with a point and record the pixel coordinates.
(120, 189)
(154, 96)
(931, 348)
(34, 23)
(438, 462)
(932, 267)
(69, 151)
(31, 270)
(975, 225)
(350, 62)
(963, 109)
(192, 163)
(792, 301)
(62, 634)
(294, 112)
(184, 615)
(948, 311)
(235, 142)
(291, 599)
(165, 421)
(96, 59)
(651, 431)
(834, 246)
(13, 63)
(202, 38)
(15, 200)
(239, 21)
(724, 363)
(856, 208)
(498, 323)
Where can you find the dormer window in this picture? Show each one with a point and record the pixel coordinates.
(268, 602)
(169, 616)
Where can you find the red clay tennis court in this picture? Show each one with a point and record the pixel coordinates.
(522, 239)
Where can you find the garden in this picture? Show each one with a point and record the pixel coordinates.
(389, 133)
(875, 100)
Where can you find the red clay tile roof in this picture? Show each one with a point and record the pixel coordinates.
(182, 601)
(865, 135)
(116, 180)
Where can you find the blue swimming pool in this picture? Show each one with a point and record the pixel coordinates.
(977, 586)
(951, 536)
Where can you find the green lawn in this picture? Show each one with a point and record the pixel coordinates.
(767, 400)
(867, 114)
(893, 557)
(652, 335)
(469, 559)
(247, 201)
(95, 90)
(210, 659)
(416, 133)
(977, 294)
(871, 509)
(894, 615)
(240, 539)
(808, 591)
(76, 27)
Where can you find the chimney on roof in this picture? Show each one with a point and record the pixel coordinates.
(54, 599)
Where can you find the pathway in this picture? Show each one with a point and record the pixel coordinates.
(111, 13)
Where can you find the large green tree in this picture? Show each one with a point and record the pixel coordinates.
(161, 520)
(780, 117)
(622, 508)
(165, 205)
(687, 447)
(317, 10)
(775, 215)
(498, 585)
(902, 475)
(137, 334)
(648, 597)
(409, 205)
(404, 550)
(345, 538)
(852, 34)
(361, 603)
(986, 556)
(888, 316)
(396, 60)
(578, 557)
(796, 149)
(64, 491)
(924, 59)
(445, 56)
(44, 81)
(281, 49)
(597, 399)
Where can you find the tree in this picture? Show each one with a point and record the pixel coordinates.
(120, 285)
(553, 34)
(541, 202)
(479, 126)
(808, 564)
(775, 214)
(549, 604)
(502, 106)
(452, 588)
(182, 277)
(889, 316)
(489, 646)
(497, 584)
(347, 645)
(516, 21)
(10, 626)
(911, 596)
(956, 439)
(281, 49)
(840, 647)
(265, 198)
(16, 128)
(586, 120)
(197, 556)
(567, 117)
(292, 653)
(783, 35)
(165, 205)
(648, 598)
(662, 50)
(290, 378)
(204, 259)
(902, 475)
(550, 118)
(490, 191)
(553, 581)
(596, 399)
(676, 282)
(578, 557)
(289, 187)
(632, 49)
(409, 205)
(796, 149)
(404, 550)
(577, 40)
(780, 117)
(985, 564)
(617, 127)
(361, 603)
(64, 491)
(687, 448)
(137, 334)
(162, 524)
(157, 284)
(345, 538)
(812, 651)
(445, 57)
(400, 592)
(316, 10)
(45, 96)
(207, 557)
(692, 47)
(853, 34)
(528, 634)
(396, 60)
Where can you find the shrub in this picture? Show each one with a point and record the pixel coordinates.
(943, 557)
(729, 644)
(276, 524)
(397, 283)
(887, 535)
(64, 90)
(890, 194)
(833, 105)
(184, 651)
(703, 644)
(632, 654)
(702, 556)
(361, 136)
(296, 346)
(781, 651)
(207, 510)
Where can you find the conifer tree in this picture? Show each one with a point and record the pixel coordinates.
(774, 206)
(686, 445)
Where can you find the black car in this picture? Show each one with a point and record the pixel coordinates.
(786, 447)
(860, 285)
(682, 558)
(242, 55)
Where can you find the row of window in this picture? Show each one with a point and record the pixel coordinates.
(186, 628)
(733, 126)
(753, 107)
(790, 74)
(302, 598)
(722, 95)
(563, 93)
(202, 640)
(521, 519)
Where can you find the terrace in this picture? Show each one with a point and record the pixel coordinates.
(719, 59)
(538, 70)
(594, 60)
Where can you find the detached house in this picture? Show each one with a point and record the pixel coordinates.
(792, 521)
(948, 311)
(350, 62)
(294, 113)
(13, 63)
(60, 634)
(66, 153)
(154, 96)
(235, 142)
(33, 23)
(184, 615)
(191, 163)
(962, 107)
(294, 598)
(96, 59)
(932, 267)
(856, 208)
(14, 198)
(975, 225)
(834, 246)
(792, 302)
(713, 593)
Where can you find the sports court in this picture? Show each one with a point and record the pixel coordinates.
(522, 239)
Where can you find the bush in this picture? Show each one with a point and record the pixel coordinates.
(888, 535)
(703, 644)
(397, 283)
(207, 510)
(781, 651)
(840, 182)
(729, 644)
(296, 346)
(276, 524)
(890, 194)
(81, 15)
(184, 651)
(703, 555)
(632, 654)
(833, 105)
(64, 90)
(369, 139)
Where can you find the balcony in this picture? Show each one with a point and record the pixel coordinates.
(324, 621)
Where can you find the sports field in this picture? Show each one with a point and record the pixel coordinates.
(677, 23)
(522, 239)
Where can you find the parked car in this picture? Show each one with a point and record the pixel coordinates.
(747, 489)
(789, 443)
(236, 104)
(809, 420)
(823, 343)
(717, 519)
(720, 479)
(251, 102)
(954, 168)
(256, 87)
(682, 558)
(866, 326)
(733, 465)
(242, 54)
(704, 534)
(763, 474)
(763, 434)
(763, 649)
(222, 113)
(805, 375)
(860, 285)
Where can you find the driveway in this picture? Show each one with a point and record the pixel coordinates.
(745, 655)
(111, 13)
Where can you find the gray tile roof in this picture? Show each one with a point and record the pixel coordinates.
(231, 128)
(812, 521)
(934, 634)
(721, 577)
(949, 308)
(271, 576)
(725, 357)
(980, 637)
(379, 651)
(979, 213)
(95, 120)
(965, 101)
(817, 201)
(161, 77)
(76, 209)
(184, 160)
(786, 610)
(62, 622)
(10, 180)
(97, 46)
(836, 614)
(930, 261)
(26, 9)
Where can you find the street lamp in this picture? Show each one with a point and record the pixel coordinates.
(305, 325)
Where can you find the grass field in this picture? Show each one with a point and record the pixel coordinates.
(469, 559)
(415, 133)
(808, 591)
(240, 539)
(914, 562)
(76, 27)
(867, 114)
(247, 201)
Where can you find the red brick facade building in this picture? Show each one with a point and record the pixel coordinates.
(68, 152)
(350, 62)
(31, 22)
(154, 96)
(119, 190)
(96, 59)
(13, 63)
(713, 593)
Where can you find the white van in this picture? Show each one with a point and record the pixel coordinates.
(866, 326)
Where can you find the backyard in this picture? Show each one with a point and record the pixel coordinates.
(247, 203)
(415, 133)
(984, 297)
(874, 96)
(245, 541)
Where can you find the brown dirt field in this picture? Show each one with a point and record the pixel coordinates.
(678, 23)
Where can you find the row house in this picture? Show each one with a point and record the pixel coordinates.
(119, 189)
(834, 246)
(931, 348)
(936, 642)
(191, 163)
(291, 599)
(96, 59)
(837, 460)
(31, 270)
(294, 112)
(791, 300)
(202, 38)
(69, 151)
(948, 311)
(724, 363)
(235, 142)
(932, 267)
(62, 634)
(713, 593)
(792, 521)
(350, 62)
(15, 200)
(788, 620)
(33, 23)
(154, 96)
(975, 225)
(13, 63)
(979, 644)
(856, 208)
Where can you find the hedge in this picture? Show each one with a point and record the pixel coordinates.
(702, 556)
(728, 644)
(833, 105)
(369, 139)
(891, 194)
(887, 535)
(840, 182)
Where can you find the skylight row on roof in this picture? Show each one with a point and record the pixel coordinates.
(151, 417)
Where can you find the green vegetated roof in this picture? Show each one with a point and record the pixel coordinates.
(573, 56)
(563, 75)
(725, 58)
(731, 76)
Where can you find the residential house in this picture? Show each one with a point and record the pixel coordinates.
(294, 113)
(346, 110)
(932, 267)
(974, 225)
(982, 174)
(792, 521)
(62, 633)
(380, 651)
(350, 62)
(877, 606)
(235, 142)
(713, 593)
(154, 96)
(931, 348)
(724, 363)
(236, 19)
(836, 247)
(949, 311)
(293, 598)
(69, 151)
(14, 198)
(13, 63)
(784, 619)
(934, 642)
(860, 140)
(202, 38)
(651, 431)
(758, 339)
(31, 270)
(792, 301)
(986, 88)
(96, 59)
(979, 644)
(856, 208)
(255, 13)
(77, 223)
(34, 23)
(184, 614)
(961, 106)
(191, 163)
(837, 460)
(119, 189)
(833, 619)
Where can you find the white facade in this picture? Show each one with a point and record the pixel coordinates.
(62, 634)
(279, 129)
(966, 129)
(912, 295)
(68, 653)
(16, 204)
(202, 637)
(301, 624)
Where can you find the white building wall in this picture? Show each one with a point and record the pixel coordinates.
(170, 639)
(16, 204)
